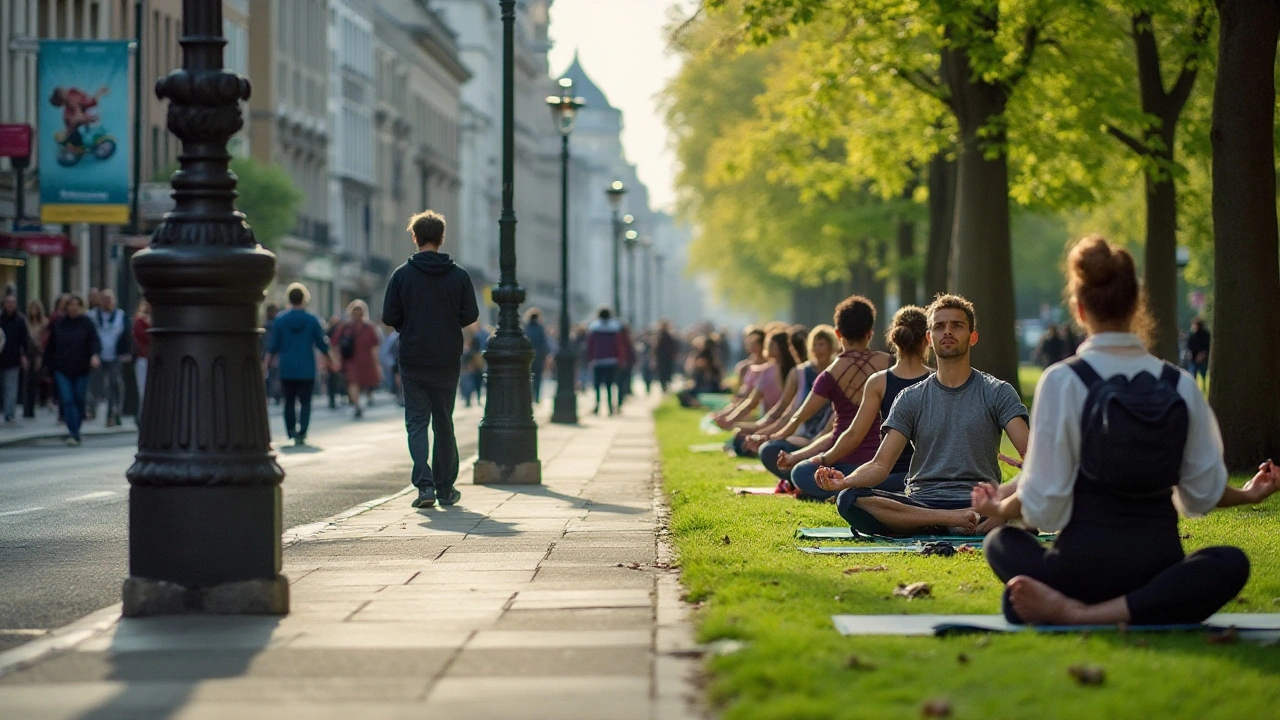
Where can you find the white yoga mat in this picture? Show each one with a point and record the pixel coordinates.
(1257, 627)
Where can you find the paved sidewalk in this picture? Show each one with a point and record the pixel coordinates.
(45, 426)
(552, 601)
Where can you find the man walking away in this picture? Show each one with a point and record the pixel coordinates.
(537, 335)
(1198, 348)
(296, 335)
(603, 353)
(115, 338)
(429, 300)
(13, 354)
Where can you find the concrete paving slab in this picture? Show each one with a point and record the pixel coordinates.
(578, 619)
(540, 698)
(559, 638)
(571, 599)
(551, 661)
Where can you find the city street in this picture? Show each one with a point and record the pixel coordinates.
(63, 511)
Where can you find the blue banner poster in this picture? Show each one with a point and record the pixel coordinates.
(84, 131)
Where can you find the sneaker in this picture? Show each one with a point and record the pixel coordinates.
(451, 498)
(73, 442)
(359, 413)
(299, 440)
(425, 499)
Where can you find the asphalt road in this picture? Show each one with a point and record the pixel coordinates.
(63, 511)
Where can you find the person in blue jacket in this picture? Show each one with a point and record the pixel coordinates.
(296, 335)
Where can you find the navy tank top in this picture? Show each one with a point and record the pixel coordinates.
(892, 386)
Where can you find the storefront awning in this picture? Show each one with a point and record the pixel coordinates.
(35, 243)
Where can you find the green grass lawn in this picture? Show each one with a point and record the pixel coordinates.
(740, 562)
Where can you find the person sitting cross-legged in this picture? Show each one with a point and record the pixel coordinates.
(1120, 443)
(776, 384)
(820, 347)
(953, 420)
(842, 384)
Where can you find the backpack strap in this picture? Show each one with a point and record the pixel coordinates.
(1170, 376)
(1084, 371)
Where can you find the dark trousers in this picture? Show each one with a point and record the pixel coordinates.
(769, 453)
(604, 376)
(298, 391)
(1160, 586)
(538, 364)
(429, 396)
(72, 390)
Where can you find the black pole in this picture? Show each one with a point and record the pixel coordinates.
(135, 220)
(20, 189)
(566, 403)
(659, 258)
(647, 316)
(508, 448)
(617, 264)
(631, 283)
(204, 501)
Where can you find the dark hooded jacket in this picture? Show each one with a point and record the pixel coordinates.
(429, 300)
(295, 337)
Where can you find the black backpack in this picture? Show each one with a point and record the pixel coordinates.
(1132, 432)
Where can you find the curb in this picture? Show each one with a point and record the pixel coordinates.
(100, 621)
(60, 432)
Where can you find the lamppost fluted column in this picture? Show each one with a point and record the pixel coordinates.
(615, 193)
(630, 240)
(565, 107)
(508, 443)
(204, 497)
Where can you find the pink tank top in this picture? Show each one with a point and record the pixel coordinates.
(769, 385)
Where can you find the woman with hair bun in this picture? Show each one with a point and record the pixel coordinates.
(1120, 443)
(908, 336)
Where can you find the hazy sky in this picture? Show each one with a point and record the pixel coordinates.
(622, 47)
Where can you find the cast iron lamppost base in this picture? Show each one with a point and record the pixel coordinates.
(204, 497)
(508, 435)
(565, 109)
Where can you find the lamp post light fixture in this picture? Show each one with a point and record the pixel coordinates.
(615, 192)
(631, 238)
(564, 107)
(204, 495)
(508, 447)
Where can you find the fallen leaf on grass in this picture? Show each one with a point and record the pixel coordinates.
(726, 540)
(769, 582)
(865, 568)
(914, 590)
(983, 641)
(936, 708)
(1226, 637)
(839, 598)
(962, 659)
(854, 662)
(1087, 674)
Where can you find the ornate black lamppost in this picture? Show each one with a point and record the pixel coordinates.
(631, 237)
(508, 435)
(646, 258)
(565, 109)
(615, 193)
(204, 501)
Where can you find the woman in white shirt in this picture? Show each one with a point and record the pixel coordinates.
(1118, 557)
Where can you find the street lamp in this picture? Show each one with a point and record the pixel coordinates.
(646, 256)
(659, 258)
(508, 447)
(615, 193)
(631, 237)
(204, 496)
(564, 107)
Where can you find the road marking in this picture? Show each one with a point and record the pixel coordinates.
(24, 511)
(92, 496)
(29, 632)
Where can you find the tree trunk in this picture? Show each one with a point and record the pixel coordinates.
(878, 291)
(981, 254)
(942, 207)
(1160, 262)
(906, 245)
(1245, 391)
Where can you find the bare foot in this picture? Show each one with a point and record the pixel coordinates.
(1039, 604)
(963, 522)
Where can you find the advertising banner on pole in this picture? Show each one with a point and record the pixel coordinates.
(84, 131)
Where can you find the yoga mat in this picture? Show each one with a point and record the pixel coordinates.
(756, 491)
(707, 447)
(714, 401)
(752, 467)
(846, 533)
(863, 550)
(1259, 627)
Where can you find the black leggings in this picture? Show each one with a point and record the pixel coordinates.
(1101, 562)
(604, 377)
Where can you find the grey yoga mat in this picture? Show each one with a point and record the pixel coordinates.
(846, 533)
(881, 549)
(1260, 627)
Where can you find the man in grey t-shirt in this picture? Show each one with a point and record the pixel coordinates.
(953, 420)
